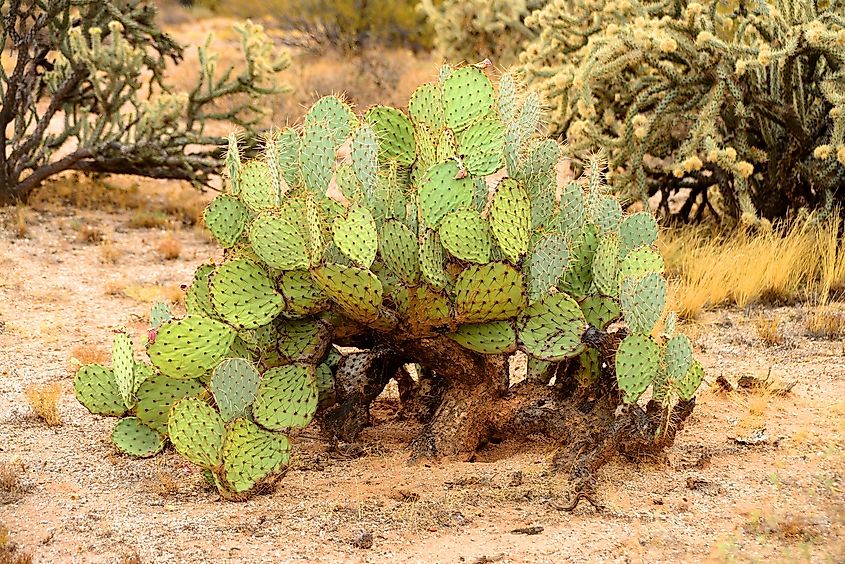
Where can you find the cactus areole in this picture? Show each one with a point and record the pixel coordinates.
(444, 241)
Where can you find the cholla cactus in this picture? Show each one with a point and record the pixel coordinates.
(103, 74)
(445, 240)
(472, 30)
(742, 101)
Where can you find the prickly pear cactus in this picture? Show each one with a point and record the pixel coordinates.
(445, 221)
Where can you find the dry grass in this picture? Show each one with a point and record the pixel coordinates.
(10, 553)
(146, 219)
(12, 486)
(710, 270)
(89, 354)
(88, 234)
(20, 221)
(822, 322)
(109, 254)
(44, 401)
(768, 329)
(169, 247)
(146, 293)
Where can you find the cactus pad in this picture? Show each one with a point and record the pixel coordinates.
(467, 97)
(426, 107)
(677, 356)
(234, 384)
(466, 235)
(157, 394)
(123, 366)
(365, 157)
(96, 389)
(551, 328)
(510, 219)
(357, 291)
(317, 157)
(637, 364)
(546, 263)
(431, 260)
(599, 311)
(639, 262)
(197, 297)
(332, 114)
(159, 313)
(197, 432)
(422, 309)
(495, 337)
(301, 293)
(188, 348)
(687, 386)
(395, 134)
(256, 189)
(287, 155)
(251, 453)
(489, 292)
(301, 340)
(278, 240)
(400, 251)
(444, 191)
(356, 236)
(643, 300)
(606, 265)
(480, 147)
(287, 397)
(132, 437)
(243, 295)
(637, 230)
(572, 214)
(226, 218)
(606, 214)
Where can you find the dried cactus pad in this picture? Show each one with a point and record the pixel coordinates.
(287, 397)
(244, 295)
(190, 347)
(357, 291)
(251, 453)
(226, 218)
(132, 437)
(156, 396)
(487, 338)
(551, 328)
(489, 292)
(197, 432)
(637, 365)
(96, 389)
(234, 384)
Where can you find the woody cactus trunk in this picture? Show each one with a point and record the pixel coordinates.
(443, 240)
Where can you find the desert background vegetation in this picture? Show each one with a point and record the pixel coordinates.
(757, 474)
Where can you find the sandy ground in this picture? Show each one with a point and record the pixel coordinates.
(711, 500)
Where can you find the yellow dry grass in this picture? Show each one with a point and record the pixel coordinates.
(805, 261)
(44, 401)
(823, 322)
(169, 247)
(768, 329)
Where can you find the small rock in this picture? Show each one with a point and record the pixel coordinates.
(516, 479)
(364, 540)
(528, 530)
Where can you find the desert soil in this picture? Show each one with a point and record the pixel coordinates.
(711, 499)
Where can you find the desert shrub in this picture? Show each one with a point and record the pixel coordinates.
(443, 240)
(344, 24)
(739, 106)
(85, 90)
(473, 30)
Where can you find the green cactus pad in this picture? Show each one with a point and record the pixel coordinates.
(325, 385)
(677, 356)
(426, 107)
(510, 219)
(543, 155)
(431, 260)
(302, 340)
(317, 158)
(489, 292)
(507, 98)
(316, 224)
(422, 309)
(578, 277)
(599, 311)
(467, 236)
(606, 265)
(197, 432)
(400, 252)
(96, 389)
(123, 367)
(331, 113)
(496, 337)
(159, 313)
(250, 454)
(546, 263)
(257, 190)
(234, 384)
(637, 364)
(365, 157)
(226, 218)
(480, 147)
(551, 328)
(132, 437)
(197, 297)
(157, 394)
(188, 348)
(639, 262)
(606, 214)
(447, 146)
(529, 115)
(589, 368)
(442, 192)
(302, 296)
(394, 132)
(637, 230)
(243, 295)
(687, 386)
(643, 300)
(356, 235)
(287, 155)
(357, 291)
(347, 183)
(467, 97)
(277, 238)
(572, 215)
(287, 397)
